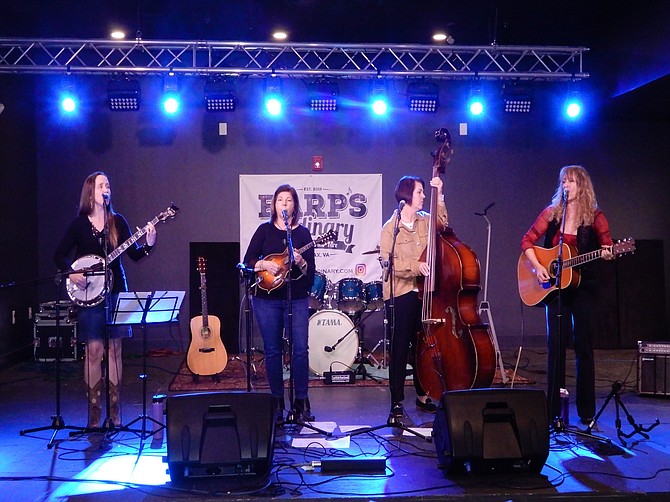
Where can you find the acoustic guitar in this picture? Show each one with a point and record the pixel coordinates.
(270, 282)
(534, 292)
(206, 352)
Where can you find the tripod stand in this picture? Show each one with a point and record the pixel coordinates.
(140, 308)
(57, 422)
(637, 428)
(484, 306)
(361, 358)
(250, 281)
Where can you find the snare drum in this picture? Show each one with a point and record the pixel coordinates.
(318, 291)
(374, 296)
(350, 295)
(326, 328)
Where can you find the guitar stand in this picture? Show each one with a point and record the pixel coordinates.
(637, 428)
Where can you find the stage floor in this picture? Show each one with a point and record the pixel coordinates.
(125, 467)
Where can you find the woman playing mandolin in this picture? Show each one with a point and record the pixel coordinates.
(411, 241)
(587, 229)
(85, 236)
(267, 255)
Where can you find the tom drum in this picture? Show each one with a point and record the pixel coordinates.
(318, 292)
(374, 296)
(350, 295)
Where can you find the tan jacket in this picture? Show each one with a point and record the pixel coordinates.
(409, 246)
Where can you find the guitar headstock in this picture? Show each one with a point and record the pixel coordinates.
(202, 264)
(442, 156)
(623, 246)
(170, 212)
(330, 235)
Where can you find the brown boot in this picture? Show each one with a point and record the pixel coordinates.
(94, 406)
(114, 404)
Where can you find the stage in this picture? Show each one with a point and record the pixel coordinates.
(123, 466)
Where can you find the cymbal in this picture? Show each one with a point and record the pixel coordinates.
(373, 251)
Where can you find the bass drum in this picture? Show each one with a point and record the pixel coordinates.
(325, 329)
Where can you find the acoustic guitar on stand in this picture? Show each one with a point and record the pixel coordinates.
(206, 352)
(270, 282)
(534, 292)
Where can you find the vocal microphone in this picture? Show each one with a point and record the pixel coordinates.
(284, 214)
(565, 194)
(328, 348)
(242, 267)
(105, 198)
(401, 204)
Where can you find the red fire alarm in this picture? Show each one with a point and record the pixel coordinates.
(317, 163)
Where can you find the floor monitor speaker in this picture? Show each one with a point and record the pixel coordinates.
(216, 435)
(492, 430)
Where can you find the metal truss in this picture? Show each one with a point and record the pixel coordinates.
(300, 60)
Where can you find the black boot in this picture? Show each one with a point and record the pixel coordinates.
(303, 410)
(278, 410)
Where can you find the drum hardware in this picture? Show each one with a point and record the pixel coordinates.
(362, 358)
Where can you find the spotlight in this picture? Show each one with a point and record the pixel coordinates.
(378, 97)
(68, 98)
(477, 103)
(516, 99)
(273, 96)
(323, 95)
(171, 94)
(220, 96)
(423, 96)
(573, 106)
(123, 95)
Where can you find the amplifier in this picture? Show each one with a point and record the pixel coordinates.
(45, 345)
(653, 368)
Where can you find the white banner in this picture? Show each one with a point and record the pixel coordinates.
(350, 204)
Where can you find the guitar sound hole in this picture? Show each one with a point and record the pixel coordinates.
(205, 332)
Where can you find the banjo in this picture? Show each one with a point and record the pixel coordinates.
(94, 269)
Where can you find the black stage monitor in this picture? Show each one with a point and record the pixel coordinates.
(219, 435)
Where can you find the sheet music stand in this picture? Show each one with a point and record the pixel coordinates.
(142, 308)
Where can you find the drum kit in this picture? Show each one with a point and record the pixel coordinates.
(336, 328)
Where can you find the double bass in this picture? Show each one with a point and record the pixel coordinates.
(455, 349)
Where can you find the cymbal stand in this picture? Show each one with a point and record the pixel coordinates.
(637, 428)
(361, 359)
(383, 341)
(250, 281)
(484, 306)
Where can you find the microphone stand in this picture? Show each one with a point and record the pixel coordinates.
(292, 415)
(248, 276)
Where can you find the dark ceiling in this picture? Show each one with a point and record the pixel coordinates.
(629, 43)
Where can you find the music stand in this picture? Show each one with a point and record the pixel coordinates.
(142, 308)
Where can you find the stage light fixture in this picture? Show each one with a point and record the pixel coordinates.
(423, 96)
(123, 95)
(573, 106)
(323, 95)
(274, 96)
(378, 97)
(477, 102)
(516, 99)
(220, 95)
(68, 98)
(171, 102)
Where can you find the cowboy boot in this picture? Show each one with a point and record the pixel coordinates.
(114, 404)
(94, 405)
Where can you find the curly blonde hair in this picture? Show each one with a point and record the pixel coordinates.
(586, 197)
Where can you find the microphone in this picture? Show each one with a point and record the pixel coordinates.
(401, 204)
(328, 348)
(243, 267)
(565, 194)
(105, 198)
(284, 214)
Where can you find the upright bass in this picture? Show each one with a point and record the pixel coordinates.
(455, 350)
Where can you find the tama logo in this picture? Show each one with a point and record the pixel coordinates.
(329, 322)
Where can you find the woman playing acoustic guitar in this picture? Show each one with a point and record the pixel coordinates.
(585, 228)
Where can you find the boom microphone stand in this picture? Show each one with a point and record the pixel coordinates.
(57, 422)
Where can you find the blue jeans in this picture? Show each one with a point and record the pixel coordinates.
(272, 319)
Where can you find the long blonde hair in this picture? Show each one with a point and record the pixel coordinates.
(586, 197)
